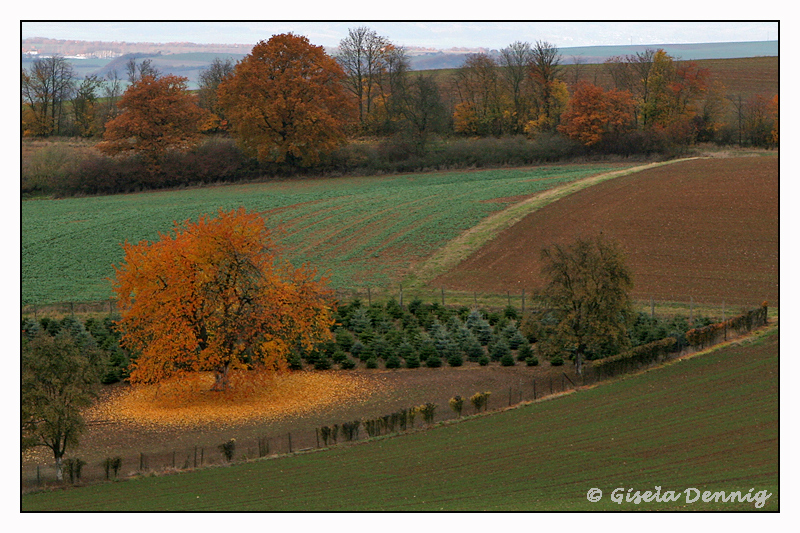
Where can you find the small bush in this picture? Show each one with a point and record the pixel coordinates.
(323, 363)
(480, 400)
(457, 404)
(227, 449)
(455, 360)
(484, 360)
(372, 363)
(428, 411)
(347, 364)
(412, 361)
(393, 362)
(433, 361)
(508, 360)
(556, 360)
(532, 361)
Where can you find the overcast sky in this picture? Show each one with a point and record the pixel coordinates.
(441, 35)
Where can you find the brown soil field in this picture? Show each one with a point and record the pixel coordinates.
(704, 229)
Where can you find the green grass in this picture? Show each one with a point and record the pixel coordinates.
(364, 231)
(709, 422)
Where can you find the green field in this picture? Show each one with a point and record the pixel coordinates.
(710, 423)
(362, 231)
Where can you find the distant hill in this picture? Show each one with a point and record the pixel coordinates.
(187, 59)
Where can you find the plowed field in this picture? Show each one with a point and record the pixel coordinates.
(705, 229)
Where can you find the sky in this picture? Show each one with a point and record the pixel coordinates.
(439, 35)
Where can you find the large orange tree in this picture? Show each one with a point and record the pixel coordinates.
(157, 114)
(215, 296)
(286, 101)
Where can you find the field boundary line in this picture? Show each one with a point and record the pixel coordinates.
(458, 249)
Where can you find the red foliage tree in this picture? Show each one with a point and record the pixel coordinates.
(158, 114)
(594, 114)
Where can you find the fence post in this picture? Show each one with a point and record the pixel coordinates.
(442, 296)
(534, 388)
(401, 295)
(202, 455)
(509, 396)
(316, 430)
(290, 442)
(652, 308)
(369, 296)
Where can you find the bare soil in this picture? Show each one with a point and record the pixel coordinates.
(705, 229)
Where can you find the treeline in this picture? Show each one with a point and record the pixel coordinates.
(289, 108)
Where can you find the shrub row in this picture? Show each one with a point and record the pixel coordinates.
(636, 357)
(710, 334)
(61, 170)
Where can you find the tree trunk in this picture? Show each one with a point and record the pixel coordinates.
(220, 379)
(59, 469)
(579, 361)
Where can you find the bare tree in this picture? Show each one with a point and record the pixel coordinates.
(45, 87)
(516, 60)
(209, 81)
(137, 71)
(421, 109)
(84, 105)
(545, 71)
(477, 87)
(362, 55)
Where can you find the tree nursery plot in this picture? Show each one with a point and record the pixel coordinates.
(708, 423)
(362, 231)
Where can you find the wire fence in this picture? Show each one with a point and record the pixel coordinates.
(558, 380)
(154, 461)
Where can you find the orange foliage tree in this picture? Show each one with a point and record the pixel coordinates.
(215, 296)
(157, 114)
(594, 114)
(286, 101)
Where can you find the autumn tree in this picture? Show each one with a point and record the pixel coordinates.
(286, 101)
(157, 114)
(215, 296)
(586, 298)
(59, 377)
(595, 115)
